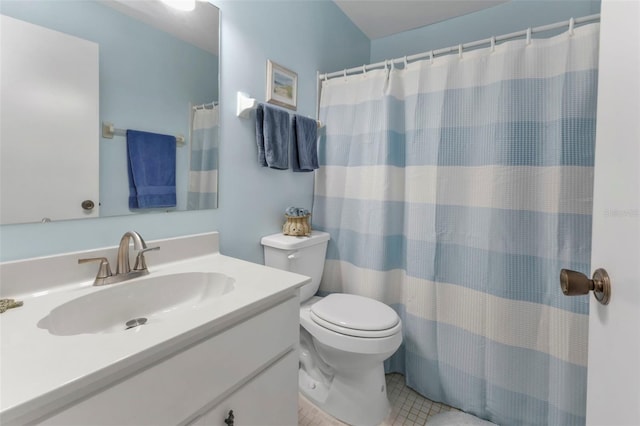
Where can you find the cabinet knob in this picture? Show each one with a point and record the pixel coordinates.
(229, 419)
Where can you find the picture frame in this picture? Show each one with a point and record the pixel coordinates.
(282, 86)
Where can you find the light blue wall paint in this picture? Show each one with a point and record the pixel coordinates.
(147, 79)
(505, 18)
(304, 36)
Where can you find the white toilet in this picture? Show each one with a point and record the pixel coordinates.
(344, 338)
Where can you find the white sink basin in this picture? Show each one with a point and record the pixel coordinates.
(151, 298)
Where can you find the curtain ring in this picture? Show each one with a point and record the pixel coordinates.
(493, 43)
(571, 24)
(344, 73)
(460, 51)
(528, 35)
(325, 77)
(431, 57)
(406, 63)
(364, 69)
(393, 65)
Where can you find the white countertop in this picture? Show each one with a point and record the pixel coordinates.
(41, 371)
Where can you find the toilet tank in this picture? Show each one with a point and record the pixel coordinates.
(302, 255)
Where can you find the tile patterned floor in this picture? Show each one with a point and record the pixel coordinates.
(407, 407)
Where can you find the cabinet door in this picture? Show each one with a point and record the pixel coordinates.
(270, 398)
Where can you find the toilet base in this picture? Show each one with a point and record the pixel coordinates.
(356, 399)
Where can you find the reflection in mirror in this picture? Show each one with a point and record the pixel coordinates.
(157, 72)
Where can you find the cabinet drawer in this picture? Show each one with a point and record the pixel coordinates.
(269, 399)
(171, 391)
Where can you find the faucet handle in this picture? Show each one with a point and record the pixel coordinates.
(104, 271)
(141, 264)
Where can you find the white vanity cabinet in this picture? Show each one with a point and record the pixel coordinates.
(249, 365)
(190, 363)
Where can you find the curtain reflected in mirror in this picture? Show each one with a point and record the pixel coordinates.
(203, 168)
(157, 72)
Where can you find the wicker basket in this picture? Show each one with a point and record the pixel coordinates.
(296, 225)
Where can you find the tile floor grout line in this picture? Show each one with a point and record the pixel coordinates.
(407, 407)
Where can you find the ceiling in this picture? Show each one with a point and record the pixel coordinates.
(381, 18)
(375, 18)
(199, 27)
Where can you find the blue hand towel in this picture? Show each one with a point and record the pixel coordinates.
(272, 136)
(304, 145)
(260, 135)
(152, 170)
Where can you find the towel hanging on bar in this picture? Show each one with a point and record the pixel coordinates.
(151, 166)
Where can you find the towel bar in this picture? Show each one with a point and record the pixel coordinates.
(109, 130)
(246, 104)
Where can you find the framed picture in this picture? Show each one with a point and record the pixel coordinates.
(282, 86)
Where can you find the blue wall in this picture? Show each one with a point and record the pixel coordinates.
(302, 36)
(305, 36)
(147, 80)
(505, 18)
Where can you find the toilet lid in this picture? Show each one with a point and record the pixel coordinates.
(355, 315)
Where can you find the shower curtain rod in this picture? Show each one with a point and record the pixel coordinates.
(460, 48)
(205, 106)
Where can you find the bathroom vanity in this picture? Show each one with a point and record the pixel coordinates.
(201, 353)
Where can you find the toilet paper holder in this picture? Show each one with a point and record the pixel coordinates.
(575, 283)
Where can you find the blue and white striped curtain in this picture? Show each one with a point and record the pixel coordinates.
(203, 165)
(455, 190)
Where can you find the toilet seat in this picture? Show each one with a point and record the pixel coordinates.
(356, 316)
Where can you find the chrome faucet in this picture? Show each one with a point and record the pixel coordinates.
(123, 268)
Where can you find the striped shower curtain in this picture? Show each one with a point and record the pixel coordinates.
(455, 190)
(203, 164)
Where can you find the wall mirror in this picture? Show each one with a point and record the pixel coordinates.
(157, 72)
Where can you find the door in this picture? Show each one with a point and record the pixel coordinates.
(49, 159)
(613, 386)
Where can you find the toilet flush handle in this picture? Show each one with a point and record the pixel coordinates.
(293, 255)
